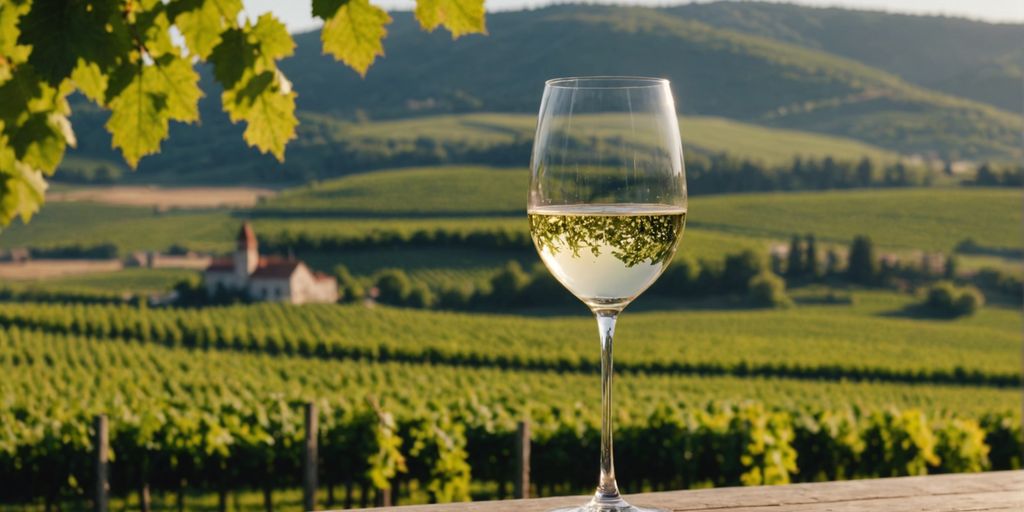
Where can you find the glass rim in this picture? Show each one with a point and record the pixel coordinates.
(625, 82)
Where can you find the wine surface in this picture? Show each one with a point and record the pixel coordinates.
(607, 254)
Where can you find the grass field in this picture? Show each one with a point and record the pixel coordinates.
(130, 228)
(930, 218)
(139, 280)
(426, 191)
(410, 200)
(704, 134)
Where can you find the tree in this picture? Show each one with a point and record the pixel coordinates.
(832, 262)
(949, 271)
(865, 172)
(120, 55)
(861, 266)
(811, 264)
(740, 268)
(795, 262)
(768, 290)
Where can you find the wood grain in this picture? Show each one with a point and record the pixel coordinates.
(1001, 491)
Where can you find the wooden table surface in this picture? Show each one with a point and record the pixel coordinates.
(1001, 491)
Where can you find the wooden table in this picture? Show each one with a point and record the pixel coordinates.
(1001, 491)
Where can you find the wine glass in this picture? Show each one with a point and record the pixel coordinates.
(607, 208)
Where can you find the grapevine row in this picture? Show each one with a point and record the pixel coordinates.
(176, 422)
(351, 332)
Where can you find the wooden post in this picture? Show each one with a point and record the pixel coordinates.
(310, 459)
(521, 482)
(100, 446)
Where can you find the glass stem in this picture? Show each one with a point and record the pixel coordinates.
(607, 489)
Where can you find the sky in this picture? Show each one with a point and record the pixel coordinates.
(298, 18)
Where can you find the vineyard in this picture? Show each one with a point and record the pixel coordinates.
(793, 343)
(423, 405)
(177, 423)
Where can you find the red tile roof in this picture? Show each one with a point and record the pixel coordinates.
(320, 276)
(221, 265)
(275, 268)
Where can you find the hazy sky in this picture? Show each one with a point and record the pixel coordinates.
(297, 16)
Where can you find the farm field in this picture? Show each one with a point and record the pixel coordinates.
(129, 228)
(138, 280)
(873, 338)
(410, 200)
(934, 219)
(409, 387)
(55, 269)
(163, 197)
(703, 134)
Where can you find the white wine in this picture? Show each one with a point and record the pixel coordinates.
(607, 254)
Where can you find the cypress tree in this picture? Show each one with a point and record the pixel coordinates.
(862, 267)
(795, 261)
(811, 265)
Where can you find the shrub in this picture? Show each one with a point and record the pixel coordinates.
(393, 286)
(456, 297)
(421, 297)
(946, 299)
(768, 290)
(740, 268)
(350, 289)
(508, 284)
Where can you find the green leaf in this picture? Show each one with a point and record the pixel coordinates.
(202, 21)
(91, 80)
(181, 85)
(231, 57)
(460, 17)
(139, 116)
(22, 192)
(267, 104)
(11, 53)
(40, 141)
(271, 37)
(154, 27)
(22, 189)
(61, 32)
(354, 33)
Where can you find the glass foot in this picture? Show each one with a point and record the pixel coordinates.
(607, 505)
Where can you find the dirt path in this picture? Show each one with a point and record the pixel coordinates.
(165, 198)
(44, 269)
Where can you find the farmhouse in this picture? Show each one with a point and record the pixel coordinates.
(267, 278)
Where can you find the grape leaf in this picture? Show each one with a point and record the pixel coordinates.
(268, 108)
(272, 39)
(460, 17)
(21, 193)
(11, 52)
(39, 142)
(202, 21)
(22, 189)
(231, 57)
(139, 116)
(181, 85)
(91, 80)
(61, 32)
(354, 32)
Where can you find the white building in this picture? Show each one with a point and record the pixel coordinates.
(267, 278)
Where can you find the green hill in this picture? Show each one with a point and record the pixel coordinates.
(716, 72)
(973, 59)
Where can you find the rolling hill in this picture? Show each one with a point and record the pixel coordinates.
(717, 72)
(976, 60)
